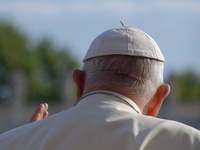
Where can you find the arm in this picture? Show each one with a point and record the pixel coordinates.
(40, 113)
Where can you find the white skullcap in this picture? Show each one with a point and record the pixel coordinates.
(124, 41)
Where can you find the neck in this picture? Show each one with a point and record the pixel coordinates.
(116, 95)
(116, 89)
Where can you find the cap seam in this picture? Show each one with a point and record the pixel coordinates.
(127, 38)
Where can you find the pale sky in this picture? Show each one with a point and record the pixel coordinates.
(174, 24)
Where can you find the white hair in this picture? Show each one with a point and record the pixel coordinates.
(140, 76)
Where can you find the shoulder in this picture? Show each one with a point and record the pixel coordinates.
(170, 134)
(171, 126)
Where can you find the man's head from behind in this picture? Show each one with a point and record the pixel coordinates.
(127, 61)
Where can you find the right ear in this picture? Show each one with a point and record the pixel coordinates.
(157, 100)
(79, 79)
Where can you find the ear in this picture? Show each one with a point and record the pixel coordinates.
(157, 100)
(79, 79)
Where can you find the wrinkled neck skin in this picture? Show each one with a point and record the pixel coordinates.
(107, 86)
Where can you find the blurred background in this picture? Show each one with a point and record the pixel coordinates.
(42, 41)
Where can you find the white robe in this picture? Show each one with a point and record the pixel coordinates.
(102, 122)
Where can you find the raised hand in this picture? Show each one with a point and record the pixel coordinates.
(40, 113)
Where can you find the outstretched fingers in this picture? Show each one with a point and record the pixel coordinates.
(40, 113)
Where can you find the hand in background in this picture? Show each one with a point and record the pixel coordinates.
(40, 113)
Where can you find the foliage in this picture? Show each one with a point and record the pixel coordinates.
(53, 64)
(13, 52)
(188, 86)
(13, 56)
(44, 65)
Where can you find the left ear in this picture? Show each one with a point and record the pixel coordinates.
(79, 79)
(157, 100)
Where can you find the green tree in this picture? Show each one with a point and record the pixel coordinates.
(44, 65)
(53, 64)
(13, 56)
(188, 86)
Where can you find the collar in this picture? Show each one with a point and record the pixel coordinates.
(123, 98)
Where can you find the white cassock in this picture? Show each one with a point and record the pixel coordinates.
(102, 120)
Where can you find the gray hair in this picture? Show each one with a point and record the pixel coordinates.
(140, 76)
